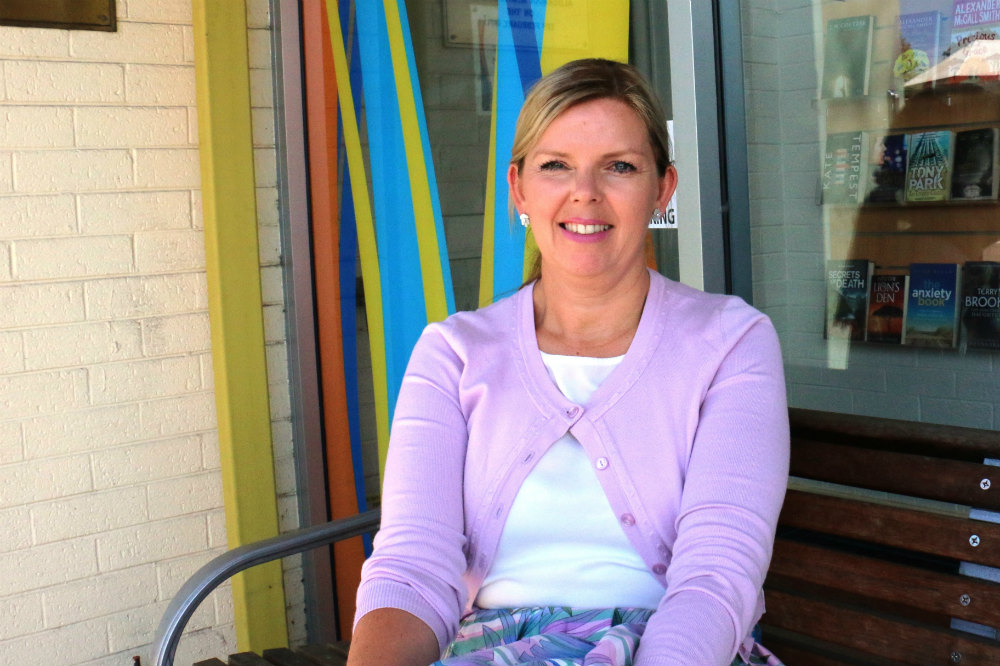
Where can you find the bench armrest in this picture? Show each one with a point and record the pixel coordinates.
(220, 568)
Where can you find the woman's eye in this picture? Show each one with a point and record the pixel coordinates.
(552, 165)
(622, 167)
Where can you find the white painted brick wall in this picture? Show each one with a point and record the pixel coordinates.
(110, 485)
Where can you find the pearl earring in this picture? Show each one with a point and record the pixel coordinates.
(525, 220)
(658, 219)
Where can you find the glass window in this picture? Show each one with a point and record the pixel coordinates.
(873, 136)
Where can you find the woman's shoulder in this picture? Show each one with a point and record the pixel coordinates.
(481, 327)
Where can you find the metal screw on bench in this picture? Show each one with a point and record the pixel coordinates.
(974, 540)
(985, 484)
(956, 657)
(965, 600)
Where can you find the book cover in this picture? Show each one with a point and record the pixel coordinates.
(847, 283)
(974, 20)
(928, 170)
(886, 306)
(919, 44)
(981, 305)
(974, 173)
(847, 54)
(845, 157)
(887, 169)
(932, 306)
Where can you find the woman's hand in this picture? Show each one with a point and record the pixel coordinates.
(392, 637)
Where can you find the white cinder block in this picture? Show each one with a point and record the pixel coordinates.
(162, 251)
(33, 43)
(6, 173)
(196, 646)
(267, 207)
(277, 363)
(20, 615)
(274, 323)
(39, 480)
(167, 168)
(85, 430)
(259, 48)
(207, 372)
(36, 127)
(72, 170)
(145, 462)
(263, 127)
(151, 542)
(17, 535)
(265, 167)
(143, 380)
(216, 523)
(280, 401)
(12, 442)
(197, 213)
(210, 451)
(135, 627)
(126, 212)
(223, 599)
(161, 11)
(134, 42)
(261, 88)
(258, 14)
(193, 138)
(185, 494)
(177, 334)
(81, 256)
(172, 572)
(173, 416)
(6, 270)
(90, 513)
(187, 38)
(123, 298)
(81, 344)
(62, 645)
(101, 595)
(38, 393)
(130, 127)
(77, 82)
(41, 566)
(160, 85)
(284, 475)
(41, 304)
(43, 215)
(271, 285)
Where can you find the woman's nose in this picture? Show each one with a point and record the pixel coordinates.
(586, 185)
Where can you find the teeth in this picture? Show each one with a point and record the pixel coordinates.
(586, 228)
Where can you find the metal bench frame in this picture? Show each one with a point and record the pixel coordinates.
(222, 567)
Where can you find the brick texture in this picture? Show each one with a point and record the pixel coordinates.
(110, 482)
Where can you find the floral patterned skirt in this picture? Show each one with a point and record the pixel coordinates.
(557, 636)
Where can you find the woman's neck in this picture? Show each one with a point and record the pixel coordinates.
(586, 318)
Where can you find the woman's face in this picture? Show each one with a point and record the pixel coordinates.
(590, 186)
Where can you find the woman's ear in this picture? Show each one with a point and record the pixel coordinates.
(514, 184)
(668, 185)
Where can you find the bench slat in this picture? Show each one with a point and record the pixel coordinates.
(900, 640)
(954, 481)
(796, 650)
(958, 538)
(917, 587)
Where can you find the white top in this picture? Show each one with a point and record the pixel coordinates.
(562, 545)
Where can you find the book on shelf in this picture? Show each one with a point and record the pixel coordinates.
(887, 169)
(972, 21)
(975, 174)
(932, 299)
(920, 45)
(981, 305)
(847, 282)
(886, 307)
(847, 56)
(929, 164)
(845, 158)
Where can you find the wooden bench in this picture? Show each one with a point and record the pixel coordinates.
(867, 565)
(866, 569)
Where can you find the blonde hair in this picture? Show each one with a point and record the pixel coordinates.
(580, 81)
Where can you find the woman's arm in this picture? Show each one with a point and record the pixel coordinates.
(392, 637)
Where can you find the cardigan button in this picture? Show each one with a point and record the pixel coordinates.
(628, 520)
(659, 569)
(572, 412)
(601, 463)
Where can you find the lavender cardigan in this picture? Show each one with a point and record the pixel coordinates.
(688, 438)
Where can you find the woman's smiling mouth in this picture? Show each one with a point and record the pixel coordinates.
(584, 229)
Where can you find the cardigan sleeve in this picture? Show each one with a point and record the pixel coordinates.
(733, 490)
(418, 557)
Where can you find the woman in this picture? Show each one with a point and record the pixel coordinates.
(601, 456)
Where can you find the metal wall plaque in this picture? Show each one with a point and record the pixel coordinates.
(65, 14)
